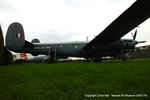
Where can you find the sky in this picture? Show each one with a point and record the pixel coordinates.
(66, 20)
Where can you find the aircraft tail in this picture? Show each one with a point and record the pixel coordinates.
(15, 37)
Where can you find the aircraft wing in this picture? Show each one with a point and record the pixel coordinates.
(138, 12)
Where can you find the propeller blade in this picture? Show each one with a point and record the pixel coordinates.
(134, 37)
(142, 41)
(136, 44)
(132, 34)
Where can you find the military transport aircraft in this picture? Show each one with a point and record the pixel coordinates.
(107, 43)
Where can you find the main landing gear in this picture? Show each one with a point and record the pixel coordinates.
(123, 55)
(52, 55)
(93, 59)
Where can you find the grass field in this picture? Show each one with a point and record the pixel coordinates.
(76, 81)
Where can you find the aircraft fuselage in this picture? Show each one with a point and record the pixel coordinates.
(75, 49)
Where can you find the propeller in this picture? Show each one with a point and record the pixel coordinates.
(134, 37)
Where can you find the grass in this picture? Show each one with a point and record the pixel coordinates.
(72, 81)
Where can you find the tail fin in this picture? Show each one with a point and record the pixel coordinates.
(15, 38)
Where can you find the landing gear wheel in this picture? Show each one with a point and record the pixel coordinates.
(123, 55)
(97, 60)
(87, 60)
(124, 59)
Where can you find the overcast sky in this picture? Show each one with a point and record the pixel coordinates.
(65, 20)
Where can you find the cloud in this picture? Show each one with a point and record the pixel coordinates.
(118, 1)
(77, 3)
(62, 20)
(53, 35)
(5, 6)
